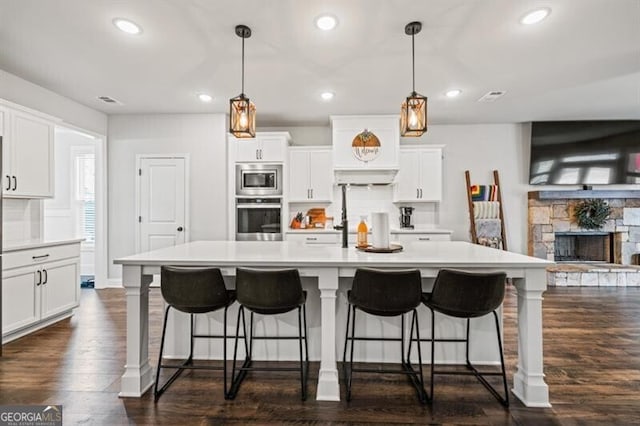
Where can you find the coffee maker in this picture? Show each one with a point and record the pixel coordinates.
(405, 217)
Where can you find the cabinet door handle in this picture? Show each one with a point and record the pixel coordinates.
(46, 276)
(420, 192)
(311, 192)
(417, 192)
(15, 183)
(42, 256)
(261, 153)
(39, 277)
(8, 182)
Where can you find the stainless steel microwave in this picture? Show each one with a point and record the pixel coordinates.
(258, 179)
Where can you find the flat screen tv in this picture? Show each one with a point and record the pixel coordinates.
(585, 152)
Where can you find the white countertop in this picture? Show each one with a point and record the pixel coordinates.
(437, 254)
(392, 231)
(31, 244)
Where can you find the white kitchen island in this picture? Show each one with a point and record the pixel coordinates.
(327, 264)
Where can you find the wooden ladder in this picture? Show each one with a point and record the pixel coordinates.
(474, 234)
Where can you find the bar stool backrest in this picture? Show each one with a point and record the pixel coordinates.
(269, 291)
(386, 293)
(467, 294)
(193, 290)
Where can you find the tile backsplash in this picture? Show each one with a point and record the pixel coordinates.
(364, 200)
(21, 220)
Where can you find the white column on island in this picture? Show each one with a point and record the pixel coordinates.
(528, 382)
(328, 384)
(138, 374)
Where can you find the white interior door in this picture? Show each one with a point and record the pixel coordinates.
(162, 201)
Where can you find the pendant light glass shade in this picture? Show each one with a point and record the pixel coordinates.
(413, 113)
(242, 112)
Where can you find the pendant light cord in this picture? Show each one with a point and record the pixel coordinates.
(413, 60)
(243, 66)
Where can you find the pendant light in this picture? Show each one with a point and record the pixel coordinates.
(413, 114)
(242, 112)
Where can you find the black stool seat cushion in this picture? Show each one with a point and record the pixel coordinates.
(195, 290)
(269, 291)
(466, 294)
(386, 293)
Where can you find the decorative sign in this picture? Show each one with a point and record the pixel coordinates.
(365, 146)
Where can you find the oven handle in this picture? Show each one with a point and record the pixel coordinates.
(259, 206)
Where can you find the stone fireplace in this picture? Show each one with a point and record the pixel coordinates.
(586, 257)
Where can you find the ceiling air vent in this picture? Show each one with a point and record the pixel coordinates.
(492, 96)
(109, 100)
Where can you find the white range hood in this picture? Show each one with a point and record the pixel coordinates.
(365, 176)
(365, 148)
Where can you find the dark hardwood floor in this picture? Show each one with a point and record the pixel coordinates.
(592, 363)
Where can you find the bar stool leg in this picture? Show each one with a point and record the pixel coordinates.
(346, 340)
(422, 392)
(156, 395)
(224, 354)
(302, 378)
(504, 374)
(350, 379)
(433, 343)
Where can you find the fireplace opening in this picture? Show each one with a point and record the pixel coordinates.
(583, 247)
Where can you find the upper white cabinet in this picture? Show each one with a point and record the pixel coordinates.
(310, 174)
(266, 146)
(27, 160)
(420, 176)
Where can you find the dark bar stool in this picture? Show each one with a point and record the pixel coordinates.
(269, 292)
(467, 295)
(387, 294)
(193, 291)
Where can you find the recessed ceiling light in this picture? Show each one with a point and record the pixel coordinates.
(535, 16)
(205, 98)
(453, 93)
(327, 96)
(326, 22)
(127, 26)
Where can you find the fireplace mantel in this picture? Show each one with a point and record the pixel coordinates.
(580, 193)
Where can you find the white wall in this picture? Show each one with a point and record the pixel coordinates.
(203, 136)
(25, 93)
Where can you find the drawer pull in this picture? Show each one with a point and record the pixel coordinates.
(424, 238)
(312, 239)
(42, 256)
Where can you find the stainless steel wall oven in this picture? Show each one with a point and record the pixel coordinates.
(258, 219)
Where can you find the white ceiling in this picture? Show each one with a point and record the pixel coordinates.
(582, 62)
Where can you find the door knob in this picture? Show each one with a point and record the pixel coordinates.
(180, 228)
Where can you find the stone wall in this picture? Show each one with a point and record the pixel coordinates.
(548, 216)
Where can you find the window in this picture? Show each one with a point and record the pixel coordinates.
(85, 194)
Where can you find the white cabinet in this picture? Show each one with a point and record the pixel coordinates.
(420, 176)
(313, 238)
(266, 146)
(418, 237)
(310, 174)
(40, 286)
(27, 160)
